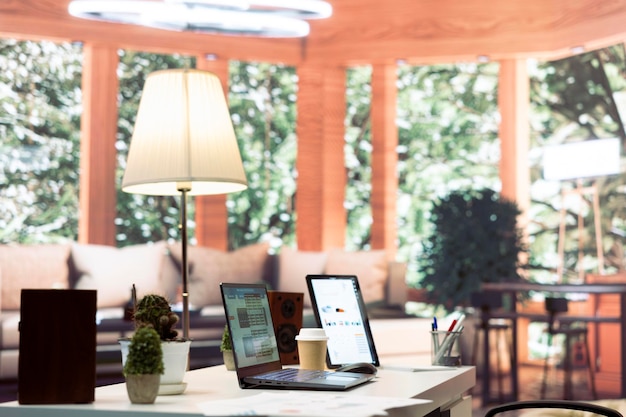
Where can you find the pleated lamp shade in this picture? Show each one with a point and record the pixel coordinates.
(183, 138)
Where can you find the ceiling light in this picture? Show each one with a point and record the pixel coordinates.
(264, 18)
(299, 9)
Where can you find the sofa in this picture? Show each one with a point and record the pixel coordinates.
(155, 268)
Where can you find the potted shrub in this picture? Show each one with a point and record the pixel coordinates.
(154, 311)
(226, 348)
(475, 239)
(144, 366)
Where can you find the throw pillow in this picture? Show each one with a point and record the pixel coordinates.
(32, 266)
(113, 271)
(370, 267)
(294, 266)
(170, 278)
(208, 267)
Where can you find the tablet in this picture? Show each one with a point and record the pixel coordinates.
(339, 309)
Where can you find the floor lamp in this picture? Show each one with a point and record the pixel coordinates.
(183, 144)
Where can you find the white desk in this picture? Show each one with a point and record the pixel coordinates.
(444, 388)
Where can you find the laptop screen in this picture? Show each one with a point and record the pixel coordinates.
(339, 309)
(250, 323)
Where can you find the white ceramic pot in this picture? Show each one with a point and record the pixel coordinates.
(175, 363)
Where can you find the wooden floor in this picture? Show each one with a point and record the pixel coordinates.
(530, 379)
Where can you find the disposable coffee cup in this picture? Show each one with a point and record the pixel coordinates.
(312, 349)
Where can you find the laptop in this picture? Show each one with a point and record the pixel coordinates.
(255, 349)
(340, 310)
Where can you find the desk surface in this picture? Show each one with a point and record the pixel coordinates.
(441, 387)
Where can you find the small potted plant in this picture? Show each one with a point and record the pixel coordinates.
(226, 348)
(154, 311)
(144, 366)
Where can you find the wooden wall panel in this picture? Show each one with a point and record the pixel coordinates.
(211, 215)
(514, 103)
(362, 31)
(321, 217)
(384, 158)
(98, 155)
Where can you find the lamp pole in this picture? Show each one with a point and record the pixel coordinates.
(184, 264)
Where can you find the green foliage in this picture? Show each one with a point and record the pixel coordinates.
(448, 140)
(145, 355)
(39, 141)
(358, 158)
(262, 102)
(475, 240)
(226, 344)
(576, 99)
(154, 311)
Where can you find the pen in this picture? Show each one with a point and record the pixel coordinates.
(435, 335)
(452, 325)
(459, 322)
(459, 331)
(445, 338)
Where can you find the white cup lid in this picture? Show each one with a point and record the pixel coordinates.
(312, 334)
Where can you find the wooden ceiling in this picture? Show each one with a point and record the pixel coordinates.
(363, 31)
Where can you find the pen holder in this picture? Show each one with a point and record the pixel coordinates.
(445, 348)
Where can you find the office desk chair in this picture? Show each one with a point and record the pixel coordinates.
(571, 332)
(486, 302)
(554, 404)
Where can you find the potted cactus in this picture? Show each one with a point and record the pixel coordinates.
(226, 348)
(154, 311)
(144, 366)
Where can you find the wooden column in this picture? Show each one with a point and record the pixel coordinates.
(384, 158)
(321, 217)
(97, 195)
(514, 103)
(211, 215)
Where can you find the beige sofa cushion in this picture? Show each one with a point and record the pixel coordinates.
(370, 267)
(294, 266)
(209, 267)
(170, 277)
(32, 266)
(9, 325)
(112, 271)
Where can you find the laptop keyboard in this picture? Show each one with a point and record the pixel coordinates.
(293, 374)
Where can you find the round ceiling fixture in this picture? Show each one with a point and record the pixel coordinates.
(263, 18)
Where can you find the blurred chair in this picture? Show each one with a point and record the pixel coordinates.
(572, 332)
(554, 404)
(487, 302)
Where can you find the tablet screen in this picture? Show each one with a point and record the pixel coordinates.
(339, 309)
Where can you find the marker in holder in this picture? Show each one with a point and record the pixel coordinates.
(445, 349)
